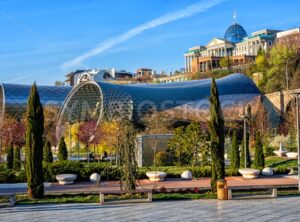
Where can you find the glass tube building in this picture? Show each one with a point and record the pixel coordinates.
(13, 97)
(183, 100)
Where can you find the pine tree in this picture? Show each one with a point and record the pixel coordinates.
(34, 144)
(47, 156)
(216, 131)
(259, 159)
(234, 153)
(62, 150)
(10, 157)
(248, 163)
(17, 158)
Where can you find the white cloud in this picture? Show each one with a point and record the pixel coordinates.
(164, 19)
(18, 79)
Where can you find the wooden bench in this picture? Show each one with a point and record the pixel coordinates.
(119, 192)
(11, 198)
(273, 190)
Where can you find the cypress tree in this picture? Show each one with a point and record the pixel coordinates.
(216, 131)
(10, 157)
(234, 152)
(17, 158)
(34, 144)
(126, 150)
(259, 159)
(248, 164)
(62, 150)
(48, 157)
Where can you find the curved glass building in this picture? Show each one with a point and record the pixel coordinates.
(235, 33)
(13, 97)
(189, 100)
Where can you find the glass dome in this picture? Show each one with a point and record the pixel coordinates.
(235, 33)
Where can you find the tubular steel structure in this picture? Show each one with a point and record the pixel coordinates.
(183, 100)
(13, 97)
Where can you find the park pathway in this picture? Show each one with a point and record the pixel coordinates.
(280, 209)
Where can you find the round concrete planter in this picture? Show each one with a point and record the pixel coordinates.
(156, 175)
(249, 173)
(66, 179)
(292, 155)
(280, 153)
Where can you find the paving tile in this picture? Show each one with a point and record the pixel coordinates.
(281, 209)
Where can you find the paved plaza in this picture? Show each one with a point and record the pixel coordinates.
(169, 184)
(281, 209)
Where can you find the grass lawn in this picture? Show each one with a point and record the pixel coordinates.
(276, 161)
(94, 198)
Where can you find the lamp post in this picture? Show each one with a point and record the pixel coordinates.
(298, 136)
(0, 147)
(244, 118)
(70, 142)
(298, 139)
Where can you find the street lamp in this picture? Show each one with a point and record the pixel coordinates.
(70, 142)
(0, 147)
(298, 135)
(244, 118)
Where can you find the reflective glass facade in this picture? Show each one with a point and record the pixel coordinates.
(235, 33)
(13, 97)
(92, 100)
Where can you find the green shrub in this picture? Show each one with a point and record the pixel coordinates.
(268, 150)
(62, 150)
(83, 171)
(281, 170)
(259, 158)
(10, 157)
(161, 159)
(234, 152)
(17, 159)
(7, 176)
(232, 172)
(201, 171)
(47, 152)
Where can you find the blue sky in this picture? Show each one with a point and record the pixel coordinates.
(44, 40)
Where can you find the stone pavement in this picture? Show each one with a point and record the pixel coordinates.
(280, 209)
(169, 184)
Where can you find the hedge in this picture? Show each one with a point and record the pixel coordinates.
(106, 171)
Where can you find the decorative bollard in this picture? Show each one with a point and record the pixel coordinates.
(222, 190)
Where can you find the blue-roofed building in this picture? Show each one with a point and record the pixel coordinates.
(236, 44)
